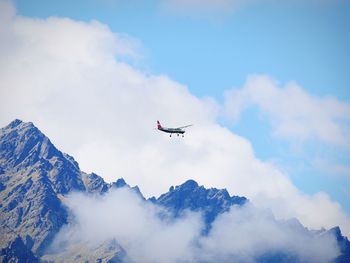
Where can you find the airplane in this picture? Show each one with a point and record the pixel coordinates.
(178, 131)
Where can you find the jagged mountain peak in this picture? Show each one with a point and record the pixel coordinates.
(190, 195)
(94, 183)
(33, 175)
(25, 129)
(19, 126)
(23, 147)
(191, 187)
(14, 123)
(120, 183)
(188, 185)
(22, 144)
(336, 231)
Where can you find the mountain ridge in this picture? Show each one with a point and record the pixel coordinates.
(35, 175)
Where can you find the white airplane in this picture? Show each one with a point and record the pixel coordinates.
(178, 131)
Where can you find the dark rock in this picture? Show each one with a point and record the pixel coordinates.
(189, 195)
(343, 244)
(94, 183)
(120, 183)
(17, 251)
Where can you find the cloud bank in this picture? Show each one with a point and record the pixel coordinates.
(245, 234)
(136, 225)
(293, 112)
(69, 78)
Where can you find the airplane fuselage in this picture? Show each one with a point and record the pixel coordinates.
(178, 130)
(172, 130)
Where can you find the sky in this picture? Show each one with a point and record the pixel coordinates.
(265, 83)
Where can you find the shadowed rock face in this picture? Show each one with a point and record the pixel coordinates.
(94, 183)
(24, 148)
(34, 179)
(17, 251)
(34, 172)
(189, 195)
(343, 243)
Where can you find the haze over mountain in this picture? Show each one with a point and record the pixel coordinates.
(52, 211)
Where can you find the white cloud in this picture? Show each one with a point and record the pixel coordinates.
(66, 77)
(247, 233)
(292, 111)
(136, 225)
(244, 233)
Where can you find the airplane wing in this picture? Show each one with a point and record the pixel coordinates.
(184, 126)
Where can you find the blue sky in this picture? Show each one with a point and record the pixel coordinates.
(306, 43)
(212, 52)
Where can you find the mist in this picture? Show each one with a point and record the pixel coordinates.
(141, 228)
(247, 233)
(148, 233)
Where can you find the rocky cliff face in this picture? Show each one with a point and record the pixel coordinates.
(34, 174)
(94, 183)
(34, 178)
(211, 202)
(17, 251)
(343, 244)
(24, 148)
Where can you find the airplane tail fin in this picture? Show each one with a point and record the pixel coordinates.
(158, 125)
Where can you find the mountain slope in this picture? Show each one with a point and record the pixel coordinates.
(25, 149)
(34, 172)
(17, 251)
(34, 177)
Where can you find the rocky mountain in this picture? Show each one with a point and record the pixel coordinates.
(94, 184)
(343, 243)
(17, 251)
(107, 251)
(34, 175)
(35, 178)
(211, 202)
(121, 183)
